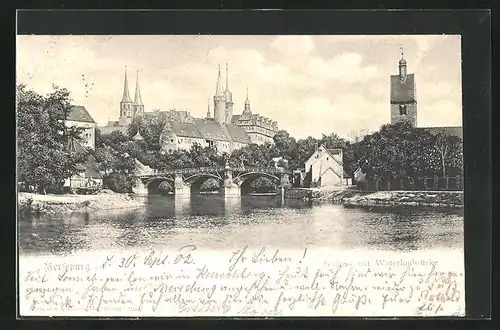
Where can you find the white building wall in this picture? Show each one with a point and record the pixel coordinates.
(88, 135)
(321, 161)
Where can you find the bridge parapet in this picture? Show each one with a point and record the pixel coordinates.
(218, 169)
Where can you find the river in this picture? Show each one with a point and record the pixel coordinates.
(215, 222)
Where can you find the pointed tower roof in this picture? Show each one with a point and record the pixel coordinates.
(247, 106)
(218, 86)
(227, 77)
(209, 115)
(402, 61)
(247, 101)
(126, 95)
(137, 98)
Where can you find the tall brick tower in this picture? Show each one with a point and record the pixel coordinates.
(403, 95)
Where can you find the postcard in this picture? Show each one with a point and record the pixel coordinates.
(240, 175)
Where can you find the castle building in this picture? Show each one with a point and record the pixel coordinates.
(260, 129)
(403, 101)
(224, 131)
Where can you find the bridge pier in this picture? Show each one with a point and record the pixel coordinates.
(140, 188)
(229, 188)
(180, 187)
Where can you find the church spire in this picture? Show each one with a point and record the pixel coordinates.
(126, 95)
(247, 104)
(209, 115)
(137, 98)
(227, 77)
(218, 87)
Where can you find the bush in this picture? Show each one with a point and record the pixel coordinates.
(210, 185)
(164, 188)
(119, 182)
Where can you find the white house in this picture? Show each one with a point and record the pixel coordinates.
(79, 117)
(326, 167)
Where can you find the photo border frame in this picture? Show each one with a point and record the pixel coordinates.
(473, 25)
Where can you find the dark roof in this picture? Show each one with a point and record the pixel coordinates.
(447, 130)
(235, 119)
(334, 151)
(90, 165)
(107, 130)
(185, 129)
(79, 113)
(211, 130)
(403, 91)
(238, 134)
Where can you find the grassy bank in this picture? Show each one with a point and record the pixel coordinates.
(439, 199)
(106, 200)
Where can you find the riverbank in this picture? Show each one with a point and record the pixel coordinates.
(436, 199)
(351, 196)
(50, 204)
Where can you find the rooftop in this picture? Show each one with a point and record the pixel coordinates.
(79, 113)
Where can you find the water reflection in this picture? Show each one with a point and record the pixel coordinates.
(212, 221)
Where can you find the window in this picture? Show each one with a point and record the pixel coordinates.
(402, 109)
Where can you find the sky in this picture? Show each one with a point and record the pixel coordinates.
(311, 85)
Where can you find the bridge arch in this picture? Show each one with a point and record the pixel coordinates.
(245, 180)
(195, 181)
(153, 184)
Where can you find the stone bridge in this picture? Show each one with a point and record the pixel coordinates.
(232, 180)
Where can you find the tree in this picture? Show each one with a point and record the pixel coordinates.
(44, 158)
(449, 152)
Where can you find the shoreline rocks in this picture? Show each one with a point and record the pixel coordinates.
(29, 203)
(434, 199)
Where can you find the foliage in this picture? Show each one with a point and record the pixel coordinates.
(44, 158)
(262, 184)
(119, 182)
(150, 128)
(164, 188)
(210, 185)
(400, 150)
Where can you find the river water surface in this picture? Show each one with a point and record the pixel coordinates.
(215, 222)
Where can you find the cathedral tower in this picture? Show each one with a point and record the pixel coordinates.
(126, 105)
(219, 102)
(228, 96)
(403, 95)
(138, 105)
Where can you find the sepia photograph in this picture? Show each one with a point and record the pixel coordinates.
(240, 175)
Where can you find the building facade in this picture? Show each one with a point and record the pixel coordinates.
(325, 168)
(403, 95)
(260, 129)
(88, 174)
(80, 117)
